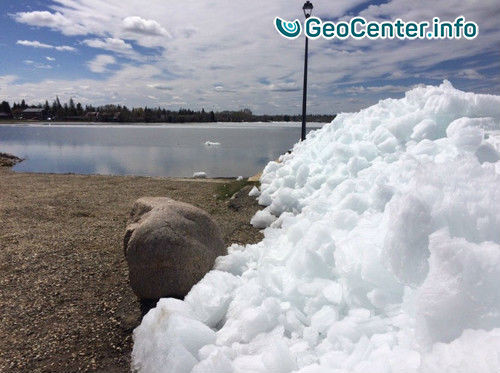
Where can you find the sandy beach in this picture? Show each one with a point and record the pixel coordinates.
(65, 304)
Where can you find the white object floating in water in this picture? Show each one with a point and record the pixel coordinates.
(210, 143)
(200, 175)
(239, 178)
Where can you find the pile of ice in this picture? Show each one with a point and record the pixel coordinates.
(383, 254)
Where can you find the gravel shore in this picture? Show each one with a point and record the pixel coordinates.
(65, 303)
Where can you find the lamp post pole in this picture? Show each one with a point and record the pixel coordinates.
(308, 7)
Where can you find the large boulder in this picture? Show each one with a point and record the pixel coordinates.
(169, 247)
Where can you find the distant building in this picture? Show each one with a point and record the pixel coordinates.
(106, 116)
(34, 113)
(92, 116)
(5, 116)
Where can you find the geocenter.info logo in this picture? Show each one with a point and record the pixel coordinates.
(360, 28)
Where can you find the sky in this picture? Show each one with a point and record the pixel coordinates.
(227, 55)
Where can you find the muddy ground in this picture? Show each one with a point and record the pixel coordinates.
(65, 303)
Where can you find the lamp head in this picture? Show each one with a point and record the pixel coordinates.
(308, 8)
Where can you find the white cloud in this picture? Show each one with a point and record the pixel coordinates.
(284, 87)
(143, 26)
(100, 63)
(37, 65)
(160, 87)
(34, 44)
(55, 21)
(65, 48)
(234, 45)
(115, 45)
(42, 18)
(470, 74)
(51, 59)
(111, 44)
(37, 44)
(376, 89)
(126, 86)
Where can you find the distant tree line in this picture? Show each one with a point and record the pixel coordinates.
(72, 111)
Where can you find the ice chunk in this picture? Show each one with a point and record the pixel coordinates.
(211, 297)
(427, 129)
(474, 351)
(215, 362)
(465, 134)
(461, 290)
(262, 219)
(487, 153)
(169, 338)
(407, 240)
(254, 192)
(278, 358)
(200, 175)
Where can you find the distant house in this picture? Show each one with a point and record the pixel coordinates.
(105, 116)
(5, 115)
(34, 113)
(92, 116)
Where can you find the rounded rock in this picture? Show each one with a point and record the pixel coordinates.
(169, 247)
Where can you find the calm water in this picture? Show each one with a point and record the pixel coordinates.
(167, 150)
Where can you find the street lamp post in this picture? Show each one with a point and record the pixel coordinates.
(307, 8)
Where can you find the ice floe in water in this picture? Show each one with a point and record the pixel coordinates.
(211, 143)
(382, 254)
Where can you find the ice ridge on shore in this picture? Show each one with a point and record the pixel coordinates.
(382, 253)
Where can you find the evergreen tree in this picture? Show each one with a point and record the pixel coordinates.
(72, 108)
(154, 115)
(79, 109)
(65, 110)
(5, 108)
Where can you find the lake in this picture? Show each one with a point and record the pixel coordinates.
(173, 150)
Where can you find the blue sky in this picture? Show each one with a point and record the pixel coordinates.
(227, 55)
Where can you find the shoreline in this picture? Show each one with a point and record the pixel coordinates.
(155, 124)
(9, 160)
(66, 303)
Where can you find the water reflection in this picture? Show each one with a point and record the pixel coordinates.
(172, 150)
